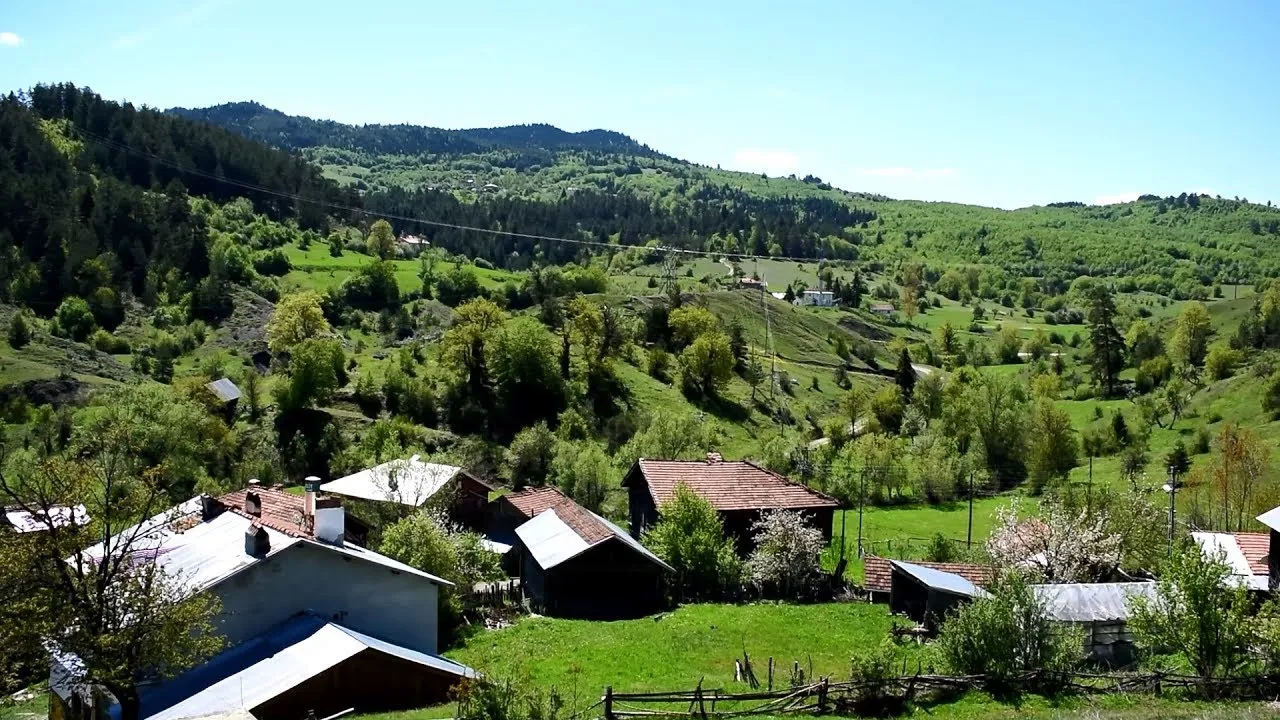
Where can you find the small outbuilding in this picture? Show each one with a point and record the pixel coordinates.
(1101, 611)
(739, 491)
(228, 394)
(413, 483)
(575, 563)
(926, 595)
(878, 574)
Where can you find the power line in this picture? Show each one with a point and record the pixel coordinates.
(429, 223)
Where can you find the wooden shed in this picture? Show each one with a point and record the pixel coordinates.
(1101, 612)
(739, 491)
(574, 563)
(926, 595)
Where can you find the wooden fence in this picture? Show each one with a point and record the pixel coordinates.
(894, 694)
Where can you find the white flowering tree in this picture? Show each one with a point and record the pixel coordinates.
(788, 552)
(1057, 544)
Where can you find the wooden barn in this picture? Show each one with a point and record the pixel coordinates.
(739, 491)
(574, 563)
(1101, 611)
(926, 595)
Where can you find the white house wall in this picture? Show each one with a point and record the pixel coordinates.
(367, 598)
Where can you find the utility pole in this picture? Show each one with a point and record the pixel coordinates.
(969, 539)
(1088, 502)
(862, 498)
(1172, 489)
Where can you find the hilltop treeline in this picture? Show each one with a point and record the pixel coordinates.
(292, 132)
(94, 198)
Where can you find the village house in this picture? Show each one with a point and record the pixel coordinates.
(882, 309)
(575, 563)
(312, 623)
(413, 483)
(1247, 554)
(817, 298)
(739, 491)
(1100, 611)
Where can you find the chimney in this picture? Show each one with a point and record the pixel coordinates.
(713, 458)
(252, 503)
(256, 541)
(312, 485)
(331, 520)
(210, 508)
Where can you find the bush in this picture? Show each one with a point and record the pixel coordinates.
(1222, 361)
(1005, 635)
(689, 536)
(659, 365)
(1201, 444)
(482, 263)
(272, 262)
(20, 330)
(74, 319)
(103, 341)
(530, 454)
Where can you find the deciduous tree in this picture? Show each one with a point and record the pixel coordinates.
(296, 318)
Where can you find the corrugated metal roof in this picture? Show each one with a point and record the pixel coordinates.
(202, 554)
(877, 572)
(549, 540)
(1271, 518)
(225, 390)
(407, 482)
(1091, 602)
(939, 580)
(260, 669)
(58, 516)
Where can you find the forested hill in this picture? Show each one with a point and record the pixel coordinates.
(292, 132)
(95, 202)
(603, 186)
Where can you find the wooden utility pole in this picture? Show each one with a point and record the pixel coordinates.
(969, 540)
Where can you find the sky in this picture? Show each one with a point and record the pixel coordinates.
(994, 103)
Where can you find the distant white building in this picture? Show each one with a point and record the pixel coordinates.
(818, 298)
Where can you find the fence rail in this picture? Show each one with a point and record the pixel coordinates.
(892, 694)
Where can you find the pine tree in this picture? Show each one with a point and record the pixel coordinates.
(906, 375)
(1107, 357)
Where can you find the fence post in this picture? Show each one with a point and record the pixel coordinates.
(608, 702)
(770, 673)
(822, 696)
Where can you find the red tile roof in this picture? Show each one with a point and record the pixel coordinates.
(1256, 547)
(533, 501)
(281, 511)
(877, 573)
(728, 485)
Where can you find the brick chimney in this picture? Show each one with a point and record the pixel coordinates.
(252, 503)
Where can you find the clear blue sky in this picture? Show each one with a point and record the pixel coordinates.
(1005, 104)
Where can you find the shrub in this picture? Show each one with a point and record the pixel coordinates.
(1222, 361)
(689, 536)
(74, 319)
(103, 341)
(272, 262)
(20, 330)
(787, 558)
(1005, 635)
(941, 549)
(530, 454)
(1198, 613)
(659, 364)
(1201, 444)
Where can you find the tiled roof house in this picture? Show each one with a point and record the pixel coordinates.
(739, 491)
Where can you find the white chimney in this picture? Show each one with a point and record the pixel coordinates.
(312, 485)
(331, 520)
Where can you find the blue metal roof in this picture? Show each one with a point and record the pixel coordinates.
(939, 580)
